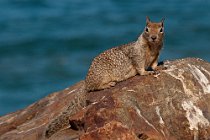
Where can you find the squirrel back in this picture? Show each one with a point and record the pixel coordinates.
(122, 62)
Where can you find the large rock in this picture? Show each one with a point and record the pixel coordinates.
(172, 105)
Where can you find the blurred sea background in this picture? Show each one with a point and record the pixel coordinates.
(48, 45)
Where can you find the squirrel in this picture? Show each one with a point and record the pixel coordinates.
(125, 61)
(114, 65)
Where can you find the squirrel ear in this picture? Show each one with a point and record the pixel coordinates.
(147, 20)
(162, 21)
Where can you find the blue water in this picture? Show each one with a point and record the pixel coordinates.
(48, 45)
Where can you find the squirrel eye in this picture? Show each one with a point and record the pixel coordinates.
(161, 30)
(147, 30)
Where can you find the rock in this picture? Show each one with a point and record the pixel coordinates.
(172, 105)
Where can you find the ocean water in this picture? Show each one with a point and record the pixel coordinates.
(48, 45)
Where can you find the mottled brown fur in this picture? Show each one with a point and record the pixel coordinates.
(120, 63)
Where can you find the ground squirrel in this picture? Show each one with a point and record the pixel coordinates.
(114, 65)
(122, 62)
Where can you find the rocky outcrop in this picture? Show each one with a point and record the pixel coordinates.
(173, 105)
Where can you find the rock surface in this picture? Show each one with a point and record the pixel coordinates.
(173, 105)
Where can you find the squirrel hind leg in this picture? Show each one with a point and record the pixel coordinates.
(112, 84)
(107, 85)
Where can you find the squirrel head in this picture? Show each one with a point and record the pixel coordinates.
(154, 31)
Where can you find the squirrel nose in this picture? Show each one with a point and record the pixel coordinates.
(154, 37)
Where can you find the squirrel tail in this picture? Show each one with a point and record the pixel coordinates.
(62, 121)
(59, 123)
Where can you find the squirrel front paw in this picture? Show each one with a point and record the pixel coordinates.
(144, 73)
(154, 72)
